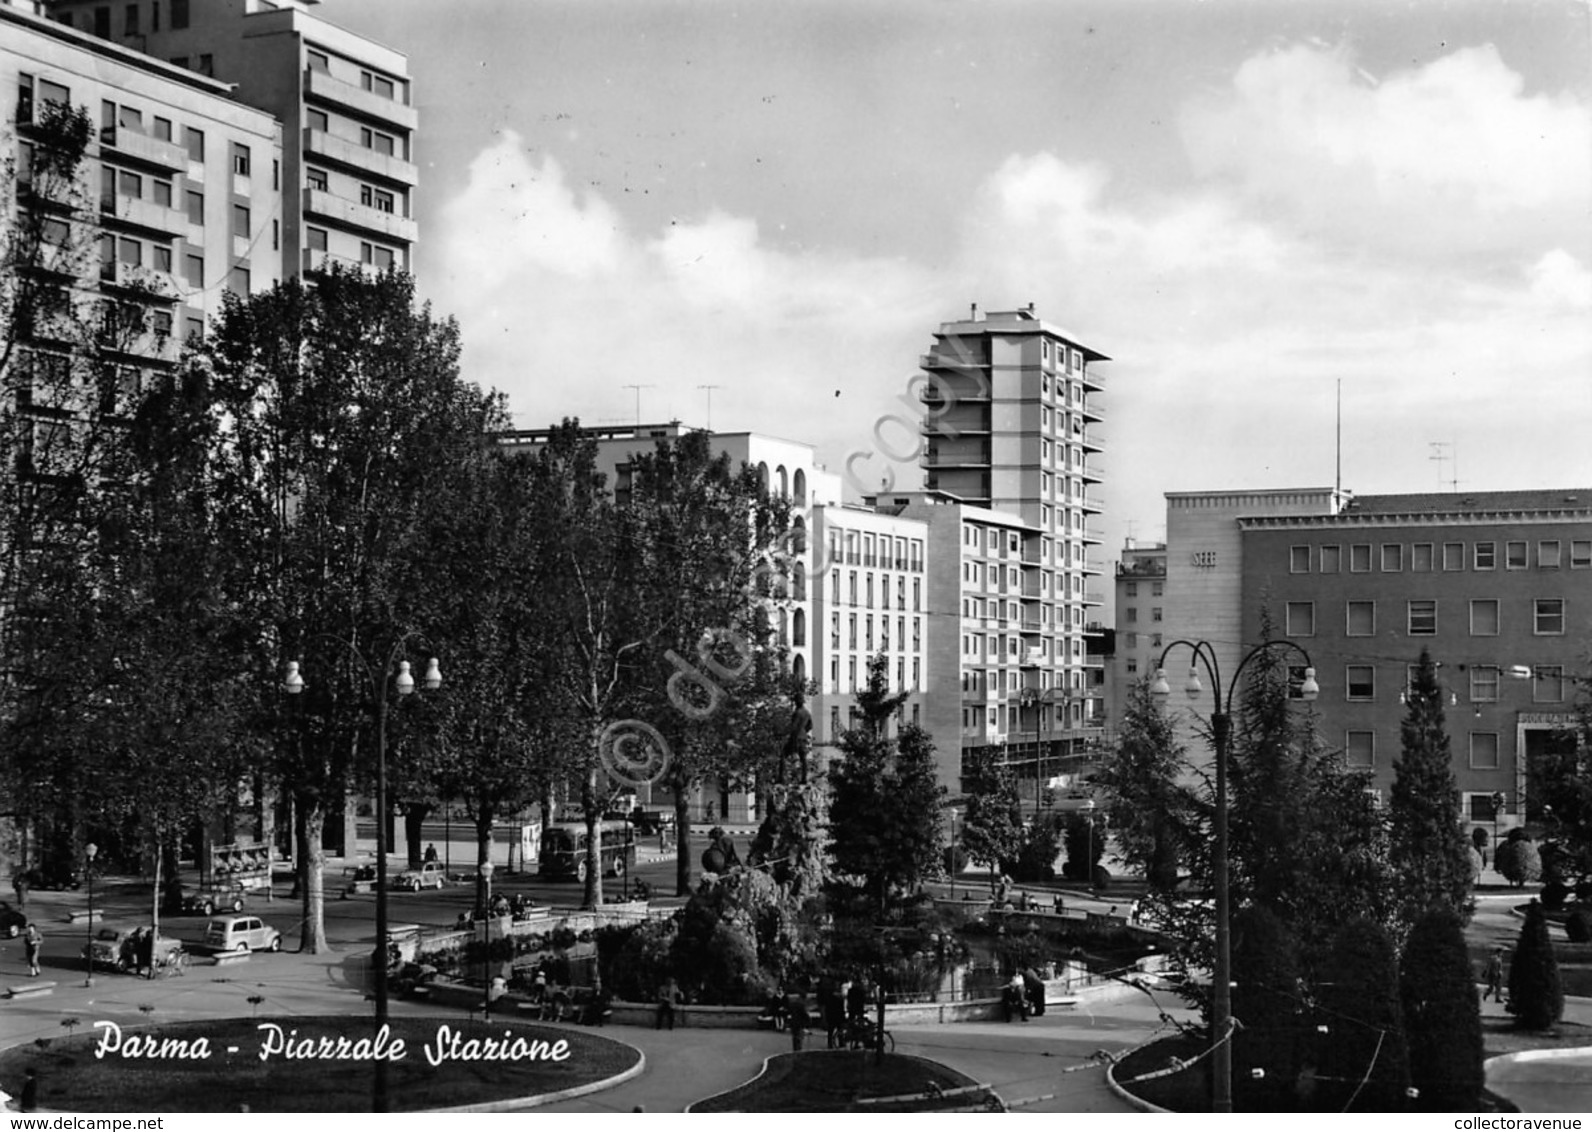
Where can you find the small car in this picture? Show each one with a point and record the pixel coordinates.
(11, 921)
(118, 949)
(208, 901)
(53, 875)
(429, 875)
(242, 933)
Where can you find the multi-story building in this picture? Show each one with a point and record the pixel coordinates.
(1011, 404)
(1497, 586)
(346, 173)
(787, 468)
(870, 598)
(1140, 622)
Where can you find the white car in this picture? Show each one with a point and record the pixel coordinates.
(429, 875)
(242, 933)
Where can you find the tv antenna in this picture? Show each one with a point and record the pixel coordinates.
(638, 389)
(710, 389)
(1446, 450)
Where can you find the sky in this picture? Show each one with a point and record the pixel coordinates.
(1261, 211)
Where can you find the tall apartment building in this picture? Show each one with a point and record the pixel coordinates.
(1140, 622)
(168, 219)
(347, 172)
(787, 468)
(1491, 583)
(1011, 404)
(870, 598)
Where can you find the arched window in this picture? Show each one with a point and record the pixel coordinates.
(784, 480)
(762, 474)
(799, 486)
(798, 542)
(799, 629)
(799, 580)
(798, 669)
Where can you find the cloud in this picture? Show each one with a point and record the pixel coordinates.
(1451, 155)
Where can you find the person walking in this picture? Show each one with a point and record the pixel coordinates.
(29, 1101)
(19, 885)
(797, 1018)
(668, 994)
(1495, 976)
(31, 942)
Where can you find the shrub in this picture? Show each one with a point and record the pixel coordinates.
(1518, 861)
(1554, 894)
(955, 859)
(1265, 997)
(1363, 1056)
(1578, 926)
(1036, 861)
(1535, 996)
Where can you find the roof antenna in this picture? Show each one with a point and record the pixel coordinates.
(974, 315)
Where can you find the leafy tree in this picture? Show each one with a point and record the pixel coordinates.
(1147, 803)
(1563, 787)
(1086, 845)
(1036, 860)
(1268, 1007)
(1363, 1057)
(1442, 1018)
(884, 814)
(992, 831)
(1428, 851)
(1536, 997)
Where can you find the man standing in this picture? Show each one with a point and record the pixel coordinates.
(1495, 976)
(31, 942)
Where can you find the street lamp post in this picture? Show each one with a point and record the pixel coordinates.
(404, 684)
(90, 851)
(487, 869)
(1221, 739)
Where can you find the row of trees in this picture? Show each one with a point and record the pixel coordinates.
(314, 482)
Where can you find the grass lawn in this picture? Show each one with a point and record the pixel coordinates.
(216, 1066)
(835, 1080)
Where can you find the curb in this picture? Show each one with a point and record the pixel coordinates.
(521, 1104)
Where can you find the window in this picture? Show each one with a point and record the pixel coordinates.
(1421, 557)
(315, 178)
(240, 159)
(129, 184)
(1486, 555)
(192, 138)
(1484, 617)
(240, 221)
(102, 22)
(1130, 589)
(1360, 558)
(130, 20)
(1580, 554)
(193, 271)
(1547, 684)
(1155, 613)
(317, 119)
(1299, 560)
(1422, 618)
(319, 61)
(1483, 750)
(160, 193)
(196, 207)
(1483, 683)
(1549, 620)
(238, 280)
(1131, 615)
(1515, 555)
(377, 84)
(1359, 748)
(1548, 555)
(1392, 558)
(179, 14)
(207, 66)
(154, 16)
(1157, 589)
(1360, 682)
(1361, 619)
(162, 258)
(1331, 559)
(378, 141)
(1453, 556)
(316, 239)
(130, 252)
(1301, 619)
(162, 128)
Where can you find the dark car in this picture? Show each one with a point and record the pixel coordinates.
(55, 875)
(209, 901)
(11, 921)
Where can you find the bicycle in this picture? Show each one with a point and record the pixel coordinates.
(863, 1034)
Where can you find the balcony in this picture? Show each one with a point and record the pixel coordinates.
(349, 214)
(1093, 379)
(141, 283)
(1092, 473)
(1091, 410)
(132, 212)
(130, 145)
(1091, 506)
(310, 260)
(340, 151)
(1092, 440)
(322, 86)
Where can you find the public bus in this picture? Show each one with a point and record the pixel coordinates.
(564, 849)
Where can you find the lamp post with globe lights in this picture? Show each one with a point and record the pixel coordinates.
(90, 851)
(402, 682)
(1221, 740)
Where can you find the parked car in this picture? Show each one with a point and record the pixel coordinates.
(54, 875)
(11, 921)
(1076, 804)
(117, 949)
(208, 901)
(242, 933)
(429, 875)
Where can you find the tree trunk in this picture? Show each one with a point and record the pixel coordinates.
(310, 820)
(594, 853)
(483, 854)
(168, 872)
(682, 841)
(415, 813)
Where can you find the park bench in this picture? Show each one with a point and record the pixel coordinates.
(83, 915)
(228, 958)
(30, 990)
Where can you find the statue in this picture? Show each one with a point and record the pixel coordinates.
(798, 740)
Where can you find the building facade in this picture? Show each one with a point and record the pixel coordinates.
(1140, 623)
(1497, 586)
(346, 176)
(1011, 404)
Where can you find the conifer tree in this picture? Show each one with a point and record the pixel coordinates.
(1428, 852)
(1442, 1018)
(1536, 997)
(1362, 1059)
